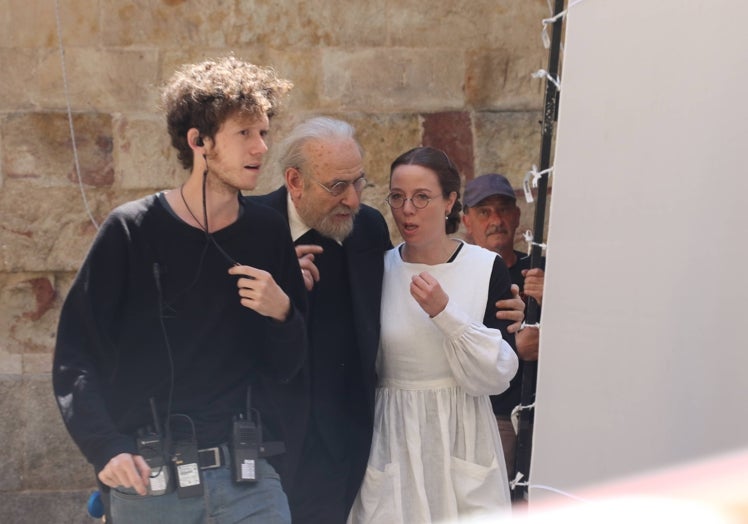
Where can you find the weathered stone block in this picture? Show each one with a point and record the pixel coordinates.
(20, 89)
(502, 78)
(144, 156)
(52, 461)
(32, 23)
(11, 433)
(10, 363)
(393, 79)
(2, 170)
(60, 507)
(507, 143)
(168, 24)
(37, 148)
(302, 67)
(465, 23)
(33, 236)
(28, 320)
(452, 133)
(314, 23)
(55, 237)
(36, 363)
(100, 80)
(383, 138)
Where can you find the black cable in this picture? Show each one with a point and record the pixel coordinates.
(205, 218)
(189, 419)
(169, 354)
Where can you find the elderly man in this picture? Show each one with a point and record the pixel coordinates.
(491, 218)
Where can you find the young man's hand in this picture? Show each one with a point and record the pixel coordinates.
(259, 292)
(126, 471)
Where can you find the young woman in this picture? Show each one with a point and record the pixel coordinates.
(436, 453)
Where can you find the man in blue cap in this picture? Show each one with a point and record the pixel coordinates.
(491, 218)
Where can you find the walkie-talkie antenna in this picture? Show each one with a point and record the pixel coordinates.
(154, 414)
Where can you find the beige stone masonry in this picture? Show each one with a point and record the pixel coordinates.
(101, 80)
(37, 149)
(452, 73)
(32, 24)
(465, 23)
(20, 90)
(501, 79)
(167, 24)
(313, 24)
(51, 458)
(507, 143)
(143, 154)
(51, 237)
(393, 79)
(12, 432)
(30, 314)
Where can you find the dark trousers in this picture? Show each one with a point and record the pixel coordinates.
(319, 494)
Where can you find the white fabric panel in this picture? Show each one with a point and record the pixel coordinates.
(644, 357)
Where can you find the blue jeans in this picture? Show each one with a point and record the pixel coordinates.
(223, 502)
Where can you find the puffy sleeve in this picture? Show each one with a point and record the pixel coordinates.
(481, 355)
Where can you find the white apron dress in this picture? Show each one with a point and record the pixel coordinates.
(436, 454)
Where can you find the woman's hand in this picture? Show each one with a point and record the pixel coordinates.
(428, 293)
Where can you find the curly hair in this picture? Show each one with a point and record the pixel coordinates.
(449, 178)
(204, 95)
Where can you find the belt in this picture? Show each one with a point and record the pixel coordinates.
(211, 458)
(217, 456)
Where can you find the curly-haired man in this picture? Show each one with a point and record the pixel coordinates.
(187, 299)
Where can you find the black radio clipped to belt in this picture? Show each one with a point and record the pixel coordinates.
(246, 444)
(175, 464)
(152, 448)
(178, 464)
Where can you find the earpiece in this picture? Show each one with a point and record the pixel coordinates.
(199, 141)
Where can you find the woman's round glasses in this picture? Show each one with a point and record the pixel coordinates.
(397, 200)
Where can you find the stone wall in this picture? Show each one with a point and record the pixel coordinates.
(453, 74)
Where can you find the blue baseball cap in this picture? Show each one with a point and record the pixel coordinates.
(485, 186)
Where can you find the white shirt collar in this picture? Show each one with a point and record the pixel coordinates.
(295, 222)
(297, 225)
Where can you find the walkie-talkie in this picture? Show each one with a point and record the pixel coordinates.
(187, 469)
(245, 449)
(187, 473)
(246, 437)
(151, 447)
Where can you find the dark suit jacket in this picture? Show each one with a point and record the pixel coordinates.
(364, 250)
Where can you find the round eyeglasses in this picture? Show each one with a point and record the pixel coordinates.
(397, 200)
